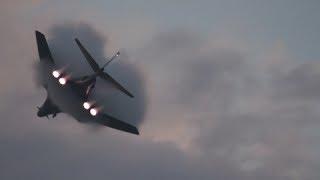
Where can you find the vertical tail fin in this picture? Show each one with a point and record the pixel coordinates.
(43, 48)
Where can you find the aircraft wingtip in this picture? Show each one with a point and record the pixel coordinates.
(137, 133)
(134, 130)
(38, 32)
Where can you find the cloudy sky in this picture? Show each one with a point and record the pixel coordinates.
(224, 89)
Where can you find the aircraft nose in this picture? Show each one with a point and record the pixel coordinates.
(39, 114)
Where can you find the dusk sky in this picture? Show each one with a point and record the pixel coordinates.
(225, 89)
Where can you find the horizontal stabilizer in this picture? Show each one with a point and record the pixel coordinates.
(117, 85)
(99, 71)
(88, 57)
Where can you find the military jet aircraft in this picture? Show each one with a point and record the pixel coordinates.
(61, 87)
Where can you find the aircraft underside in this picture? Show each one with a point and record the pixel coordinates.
(72, 96)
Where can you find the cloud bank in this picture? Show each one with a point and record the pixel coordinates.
(206, 111)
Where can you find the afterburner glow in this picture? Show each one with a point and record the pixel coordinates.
(55, 73)
(93, 112)
(62, 81)
(86, 105)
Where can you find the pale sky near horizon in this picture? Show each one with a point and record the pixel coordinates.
(258, 22)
